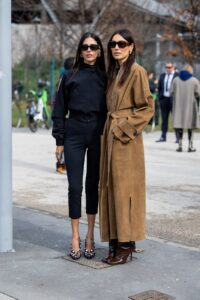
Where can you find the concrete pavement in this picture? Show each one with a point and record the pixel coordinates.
(173, 183)
(36, 269)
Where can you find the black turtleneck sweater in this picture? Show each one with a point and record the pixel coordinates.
(83, 91)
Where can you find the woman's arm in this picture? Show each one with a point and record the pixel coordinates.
(59, 112)
(143, 109)
(197, 88)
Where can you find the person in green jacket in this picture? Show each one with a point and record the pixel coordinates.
(42, 93)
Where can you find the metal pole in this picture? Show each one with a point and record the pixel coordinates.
(158, 66)
(52, 79)
(6, 227)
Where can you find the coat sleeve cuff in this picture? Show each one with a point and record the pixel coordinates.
(119, 134)
(128, 128)
(59, 142)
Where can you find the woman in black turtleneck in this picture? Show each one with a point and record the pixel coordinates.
(81, 96)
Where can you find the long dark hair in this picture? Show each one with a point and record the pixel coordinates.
(100, 62)
(112, 64)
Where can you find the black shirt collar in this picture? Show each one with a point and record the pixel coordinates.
(87, 66)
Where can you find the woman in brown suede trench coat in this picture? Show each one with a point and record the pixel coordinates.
(122, 171)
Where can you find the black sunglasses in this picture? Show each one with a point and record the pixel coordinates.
(120, 44)
(93, 47)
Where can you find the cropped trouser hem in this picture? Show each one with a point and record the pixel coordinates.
(91, 212)
(75, 217)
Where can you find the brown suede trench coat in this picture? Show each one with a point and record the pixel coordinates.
(122, 170)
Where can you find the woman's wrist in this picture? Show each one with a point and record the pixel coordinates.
(59, 142)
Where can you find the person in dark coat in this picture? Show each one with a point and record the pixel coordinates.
(81, 97)
(153, 86)
(165, 99)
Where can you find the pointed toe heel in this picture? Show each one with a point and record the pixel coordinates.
(75, 254)
(135, 249)
(89, 253)
(121, 257)
(113, 244)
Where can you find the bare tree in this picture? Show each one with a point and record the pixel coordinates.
(72, 18)
(185, 32)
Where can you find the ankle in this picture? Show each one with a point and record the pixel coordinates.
(124, 245)
(75, 243)
(89, 251)
(89, 243)
(75, 238)
(89, 237)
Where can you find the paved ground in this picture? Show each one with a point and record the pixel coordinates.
(173, 183)
(36, 269)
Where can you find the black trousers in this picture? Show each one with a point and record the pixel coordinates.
(166, 109)
(82, 136)
(180, 133)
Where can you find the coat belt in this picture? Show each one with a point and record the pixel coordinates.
(111, 123)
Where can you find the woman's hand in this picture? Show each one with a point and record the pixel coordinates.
(59, 151)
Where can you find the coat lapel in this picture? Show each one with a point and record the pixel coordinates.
(123, 88)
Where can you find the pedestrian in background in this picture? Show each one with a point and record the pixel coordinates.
(81, 94)
(165, 99)
(153, 86)
(122, 175)
(17, 90)
(185, 89)
(67, 66)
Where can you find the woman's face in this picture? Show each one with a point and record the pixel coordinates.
(90, 54)
(120, 48)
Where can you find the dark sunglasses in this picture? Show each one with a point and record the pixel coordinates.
(168, 67)
(120, 44)
(93, 47)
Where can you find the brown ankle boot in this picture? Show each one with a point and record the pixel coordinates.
(113, 244)
(121, 256)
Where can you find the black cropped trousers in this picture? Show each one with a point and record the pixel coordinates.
(82, 139)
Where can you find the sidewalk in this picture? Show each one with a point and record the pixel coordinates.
(37, 270)
(173, 183)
